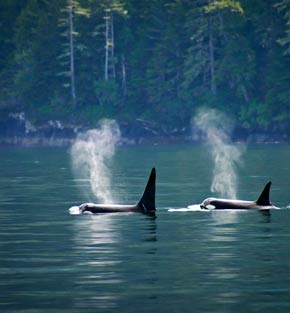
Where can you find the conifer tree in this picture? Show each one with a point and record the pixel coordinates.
(36, 49)
(284, 8)
(68, 23)
(9, 13)
(207, 25)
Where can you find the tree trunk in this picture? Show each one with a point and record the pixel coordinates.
(245, 93)
(211, 58)
(110, 71)
(112, 46)
(124, 77)
(71, 45)
(107, 47)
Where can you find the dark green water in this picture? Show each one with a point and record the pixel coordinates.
(51, 261)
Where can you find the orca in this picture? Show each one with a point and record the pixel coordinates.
(263, 202)
(146, 204)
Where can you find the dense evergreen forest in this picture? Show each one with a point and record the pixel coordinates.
(82, 60)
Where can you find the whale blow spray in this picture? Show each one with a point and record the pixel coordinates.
(226, 156)
(91, 153)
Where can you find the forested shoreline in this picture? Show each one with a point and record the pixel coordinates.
(78, 61)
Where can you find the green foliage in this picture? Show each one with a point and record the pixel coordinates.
(234, 6)
(284, 8)
(36, 53)
(255, 115)
(107, 93)
(169, 58)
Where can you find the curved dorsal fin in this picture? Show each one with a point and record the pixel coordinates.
(264, 198)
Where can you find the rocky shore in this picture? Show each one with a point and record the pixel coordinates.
(16, 130)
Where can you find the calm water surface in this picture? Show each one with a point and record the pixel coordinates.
(51, 261)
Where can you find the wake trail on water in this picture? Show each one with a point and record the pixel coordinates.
(91, 154)
(190, 208)
(226, 156)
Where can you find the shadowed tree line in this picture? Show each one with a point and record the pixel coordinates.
(82, 60)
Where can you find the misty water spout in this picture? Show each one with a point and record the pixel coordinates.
(91, 153)
(226, 156)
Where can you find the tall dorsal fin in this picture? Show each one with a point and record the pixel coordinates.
(264, 198)
(147, 201)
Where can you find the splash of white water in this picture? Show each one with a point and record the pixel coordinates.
(91, 153)
(225, 154)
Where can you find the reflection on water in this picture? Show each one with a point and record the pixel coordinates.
(96, 259)
(105, 258)
(239, 258)
(94, 231)
(223, 270)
